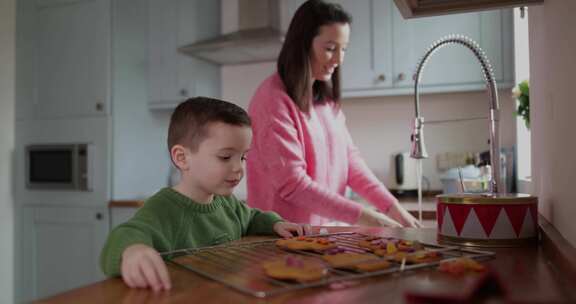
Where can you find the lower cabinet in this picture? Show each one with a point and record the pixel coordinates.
(59, 249)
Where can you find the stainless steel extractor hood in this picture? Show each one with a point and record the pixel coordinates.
(258, 38)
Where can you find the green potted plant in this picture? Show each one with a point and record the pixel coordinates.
(522, 93)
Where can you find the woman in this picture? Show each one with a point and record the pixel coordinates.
(302, 157)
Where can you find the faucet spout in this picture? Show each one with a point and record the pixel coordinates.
(418, 149)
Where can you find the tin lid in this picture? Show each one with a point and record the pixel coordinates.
(487, 199)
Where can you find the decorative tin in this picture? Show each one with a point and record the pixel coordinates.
(487, 220)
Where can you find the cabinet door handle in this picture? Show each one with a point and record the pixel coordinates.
(401, 77)
(184, 93)
(99, 106)
(382, 77)
(99, 216)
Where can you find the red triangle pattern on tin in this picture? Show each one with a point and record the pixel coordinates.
(487, 215)
(459, 215)
(516, 214)
(440, 209)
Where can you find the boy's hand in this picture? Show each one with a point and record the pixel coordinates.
(286, 229)
(142, 267)
(370, 217)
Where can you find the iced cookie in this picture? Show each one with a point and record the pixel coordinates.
(461, 266)
(356, 261)
(306, 243)
(391, 248)
(418, 257)
(372, 243)
(374, 265)
(295, 269)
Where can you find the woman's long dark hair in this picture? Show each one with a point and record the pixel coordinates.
(295, 57)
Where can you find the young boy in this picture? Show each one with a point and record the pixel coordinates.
(208, 140)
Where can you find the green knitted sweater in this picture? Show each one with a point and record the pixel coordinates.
(169, 220)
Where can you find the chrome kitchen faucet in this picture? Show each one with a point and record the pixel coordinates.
(418, 149)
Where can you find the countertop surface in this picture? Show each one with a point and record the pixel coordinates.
(527, 275)
(409, 202)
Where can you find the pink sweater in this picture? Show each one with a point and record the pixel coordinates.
(300, 164)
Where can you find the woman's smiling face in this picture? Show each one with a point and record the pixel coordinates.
(328, 48)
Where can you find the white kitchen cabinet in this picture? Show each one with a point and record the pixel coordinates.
(287, 10)
(454, 64)
(367, 62)
(173, 76)
(60, 249)
(72, 58)
(25, 59)
(385, 48)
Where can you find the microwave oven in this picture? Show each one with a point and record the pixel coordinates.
(59, 167)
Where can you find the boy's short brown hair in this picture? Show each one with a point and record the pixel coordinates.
(191, 117)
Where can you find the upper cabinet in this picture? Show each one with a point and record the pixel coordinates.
(367, 61)
(71, 52)
(173, 77)
(421, 8)
(385, 48)
(453, 65)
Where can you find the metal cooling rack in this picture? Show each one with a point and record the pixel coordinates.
(239, 265)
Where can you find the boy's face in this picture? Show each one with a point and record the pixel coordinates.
(218, 164)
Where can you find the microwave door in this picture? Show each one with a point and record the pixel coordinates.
(52, 167)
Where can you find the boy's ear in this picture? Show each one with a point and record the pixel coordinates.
(178, 155)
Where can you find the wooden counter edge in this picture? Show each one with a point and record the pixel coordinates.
(125, 204)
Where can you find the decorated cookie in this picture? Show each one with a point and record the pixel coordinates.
(373, 265)
(461, 266)
(374, 243)
(418, 257)
(294, 268)
(390, 248)
(345, 249)
(356, 261)
(306, 243)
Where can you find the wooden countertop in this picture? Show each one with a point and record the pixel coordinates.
(126, 204)
(530, 274)
(410, 203)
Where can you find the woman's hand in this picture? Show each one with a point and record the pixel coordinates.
(287, 229)
(371, 217)
(404, 217)
(142, 267)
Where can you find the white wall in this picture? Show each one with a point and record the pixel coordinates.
(7, 118)
(380, 126)
(553, 106)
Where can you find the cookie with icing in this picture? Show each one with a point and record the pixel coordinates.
(356, 261)
(306, 243)
(294, 268)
